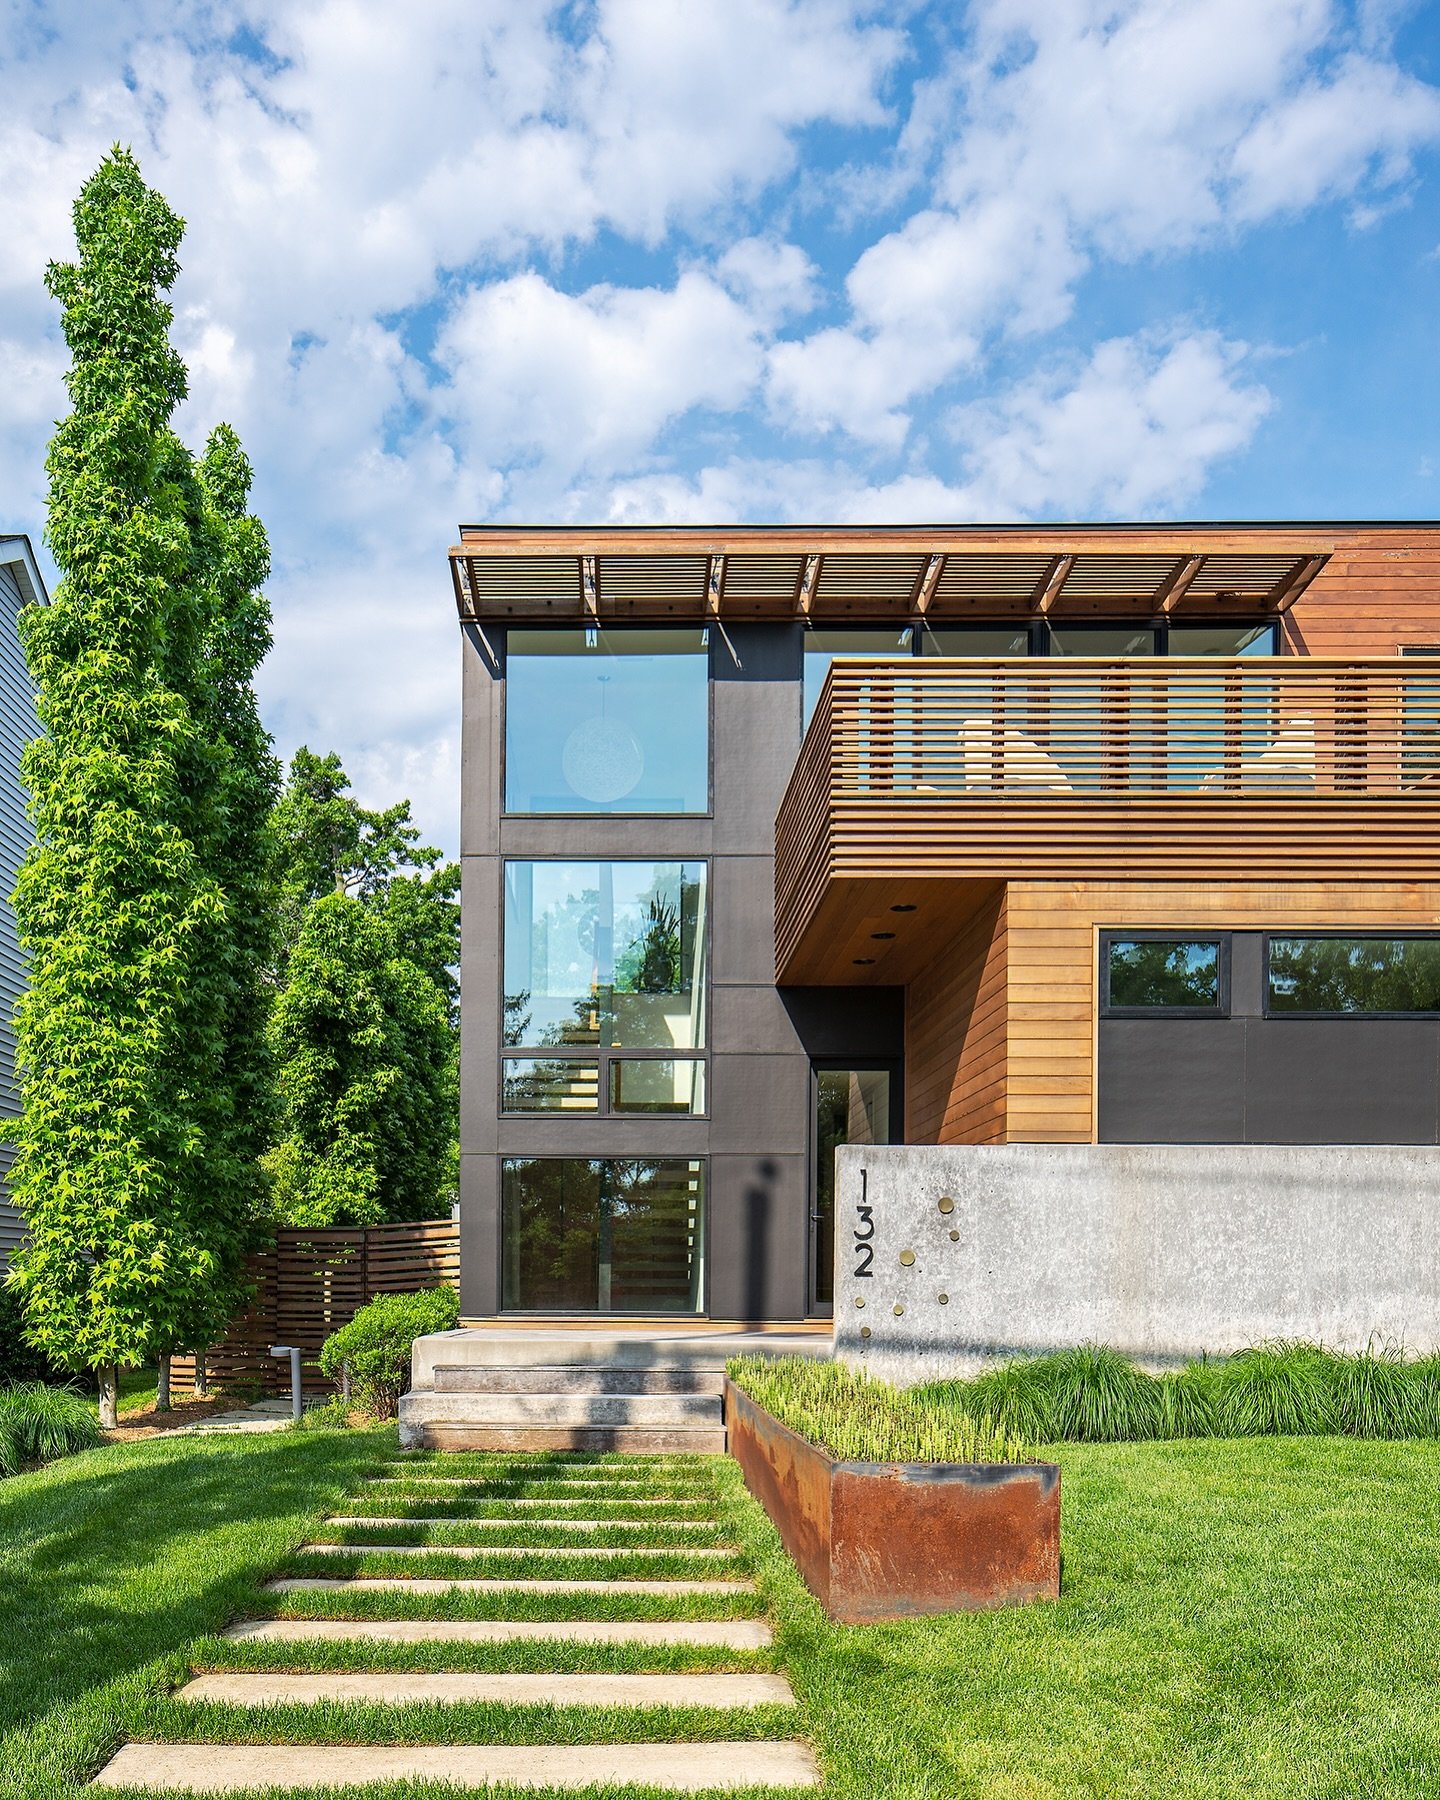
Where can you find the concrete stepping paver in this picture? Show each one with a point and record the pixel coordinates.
(676, 1768)
(519, 1584)
(202, 1768)
(393, 1519)
(689, 1551)
(720, 1634)
(565, 1500)
(398, 1687)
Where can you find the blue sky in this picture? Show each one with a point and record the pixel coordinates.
(794, 259)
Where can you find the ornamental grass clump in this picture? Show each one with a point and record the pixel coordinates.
(39, 1423)
(856, 1418)
(1282, 1389)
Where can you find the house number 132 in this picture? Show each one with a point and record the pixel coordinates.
(864, 1231)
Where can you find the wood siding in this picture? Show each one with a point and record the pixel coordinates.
(1378, 593)
(1051, 946)
(1233, 770)
(956, 1036)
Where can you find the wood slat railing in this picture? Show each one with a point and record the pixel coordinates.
(1046, 751)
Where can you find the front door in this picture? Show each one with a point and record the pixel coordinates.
(852, 1106)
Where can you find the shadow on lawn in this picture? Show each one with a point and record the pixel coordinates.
(107, 1564)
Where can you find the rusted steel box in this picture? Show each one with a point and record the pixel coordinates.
(891, 1540)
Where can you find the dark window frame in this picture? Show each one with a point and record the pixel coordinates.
(1334, 932)
(1039, 631)
(605, 1054)
(603, 1058)
(619, 629)
(703, 1158)
(1175, 935)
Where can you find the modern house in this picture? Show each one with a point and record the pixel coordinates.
(20, 585)
(776, 839)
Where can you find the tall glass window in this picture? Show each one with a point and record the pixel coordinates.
(583, 1234)
(604, 987)
(607, 720)
(844, 644)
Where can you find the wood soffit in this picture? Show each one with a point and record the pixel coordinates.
(907, 573)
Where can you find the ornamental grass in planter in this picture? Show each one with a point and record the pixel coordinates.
(890, 1507)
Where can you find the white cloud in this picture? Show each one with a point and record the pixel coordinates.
(1137, 431)
(589, 381)
(776, 281)
(1069, 130)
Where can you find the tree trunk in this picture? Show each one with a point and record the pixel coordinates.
(202, 1385)
(109, 1396)
(162, 1384)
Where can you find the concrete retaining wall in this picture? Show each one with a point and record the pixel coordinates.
(948, 1255)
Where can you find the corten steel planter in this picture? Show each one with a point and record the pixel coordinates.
(891, 1540)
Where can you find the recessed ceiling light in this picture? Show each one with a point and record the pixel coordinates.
(902, 909)
(880, 937)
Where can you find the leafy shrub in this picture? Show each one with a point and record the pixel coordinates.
(18, 1362)
(39, 1423)
(376, 1344)
(858, 1419)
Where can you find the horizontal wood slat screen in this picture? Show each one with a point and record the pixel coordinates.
(310, 1283)
(1247, 768)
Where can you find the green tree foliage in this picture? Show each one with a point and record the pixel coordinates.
(364, 1032)
(138, 903)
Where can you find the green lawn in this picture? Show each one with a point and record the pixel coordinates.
(1251, 1619)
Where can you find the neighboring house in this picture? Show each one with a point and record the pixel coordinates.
(20, 585)
(781, 838)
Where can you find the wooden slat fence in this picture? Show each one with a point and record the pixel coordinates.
(310, 1283)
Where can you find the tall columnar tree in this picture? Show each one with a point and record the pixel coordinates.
(364, 1028)
(141, 931)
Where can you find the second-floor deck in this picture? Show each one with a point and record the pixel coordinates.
(1182, 769)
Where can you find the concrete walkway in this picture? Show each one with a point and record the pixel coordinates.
(264, 1415)
(270, 1668)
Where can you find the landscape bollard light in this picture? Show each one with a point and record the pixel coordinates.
(293, 1352)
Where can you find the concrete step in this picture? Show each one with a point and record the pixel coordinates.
(436, 1432)
(691, 1552)
(408, 1688)
(718, 1634)
(674, 1768)
(618, 1348)
(472, 1378)
(562, 1409)
(518, 1584)
(695, 1482)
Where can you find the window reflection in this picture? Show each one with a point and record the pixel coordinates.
(844, 644)
(605, 954)
(1354, 975)
(607, 721)
(602, 1235)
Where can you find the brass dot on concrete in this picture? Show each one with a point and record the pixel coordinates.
(947, 1205)
(899, 1310)
(944, 1299)
(954, 1237)
(907, 1257)
(859, 1299)
(864, 1331)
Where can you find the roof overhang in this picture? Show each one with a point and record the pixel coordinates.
(17, 555)
(832, 572)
